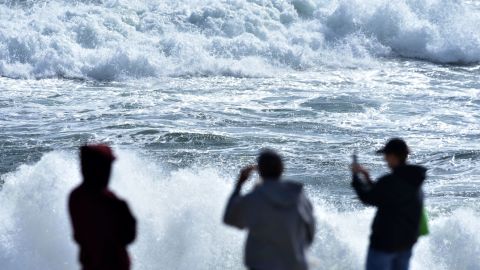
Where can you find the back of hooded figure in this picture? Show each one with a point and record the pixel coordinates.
(102, 224)
(278, 217)
(400, 202)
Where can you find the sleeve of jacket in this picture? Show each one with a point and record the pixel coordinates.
(376, 194)
(128, 224)
(236, 210)
(306, 212)
(72, 209)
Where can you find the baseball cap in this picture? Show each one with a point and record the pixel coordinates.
(395, 146)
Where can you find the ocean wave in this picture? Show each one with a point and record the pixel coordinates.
(117, 39)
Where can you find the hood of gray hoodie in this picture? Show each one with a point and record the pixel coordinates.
(281, 193)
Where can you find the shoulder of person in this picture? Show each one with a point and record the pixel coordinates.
(110, 195)
(385, 177)
(77, 193)
(252, 194)
(385, 180)
(75, 197)
(293, 184)
(290, 184)
(112, 198)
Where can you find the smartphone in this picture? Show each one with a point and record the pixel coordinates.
(355, 158)
(354, 163)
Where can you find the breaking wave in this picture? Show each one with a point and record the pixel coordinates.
(120, 39)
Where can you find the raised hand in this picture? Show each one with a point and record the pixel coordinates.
(245, 174)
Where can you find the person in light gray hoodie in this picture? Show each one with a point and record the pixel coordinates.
(277, 214)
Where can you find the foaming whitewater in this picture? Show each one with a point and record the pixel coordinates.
(119, 39)
(179, 216)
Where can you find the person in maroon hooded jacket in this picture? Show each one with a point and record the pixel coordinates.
(103, 225)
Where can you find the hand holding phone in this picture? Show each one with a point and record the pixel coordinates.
(355, 158)
(357, 169)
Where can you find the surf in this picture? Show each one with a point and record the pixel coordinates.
(121, 40)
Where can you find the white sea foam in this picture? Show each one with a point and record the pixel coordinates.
(114, 40)
(180, 226)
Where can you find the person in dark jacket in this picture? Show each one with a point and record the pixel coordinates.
(102, 224)
(277, 215)
(398, 197)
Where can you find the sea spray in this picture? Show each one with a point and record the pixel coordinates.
(180, 227)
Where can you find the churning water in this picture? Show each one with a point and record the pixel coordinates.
(188, 91)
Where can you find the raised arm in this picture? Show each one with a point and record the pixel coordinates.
(380, 193)
(235, 212)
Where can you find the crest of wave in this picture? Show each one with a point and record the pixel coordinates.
(115, 40)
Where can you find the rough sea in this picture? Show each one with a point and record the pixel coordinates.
(188, 91)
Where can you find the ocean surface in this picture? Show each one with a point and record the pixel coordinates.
(188, 91)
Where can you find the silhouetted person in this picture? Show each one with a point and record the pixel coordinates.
(103, 225)
(398, 197)
(277, 215)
